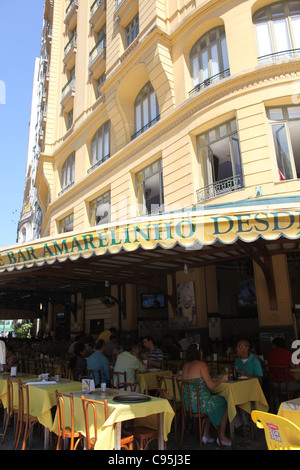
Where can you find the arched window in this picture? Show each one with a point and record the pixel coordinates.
(278, 31)
(209, 59)
(68, 172)
(100, 145)
(146, 109)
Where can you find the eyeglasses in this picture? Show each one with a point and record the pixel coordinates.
(242, 346)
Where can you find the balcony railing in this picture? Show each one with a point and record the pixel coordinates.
(220, 187)
(69, 86)
(276, 56)
(143, 129)
(98, 163)
(95, 6)
(71, 5)
(69, 186)
(72, 43)
(97, 50)
(210, 80)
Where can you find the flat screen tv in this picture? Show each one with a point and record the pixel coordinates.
(149, 301)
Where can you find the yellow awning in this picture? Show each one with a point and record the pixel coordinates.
(192, 229)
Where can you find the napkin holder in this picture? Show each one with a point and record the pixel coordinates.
(13, 371)
(88, 385)
(43, 377)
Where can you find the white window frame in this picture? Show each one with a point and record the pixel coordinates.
(146, 109)
(209, 58)
(142, 177)
(100, 145)
(284, 120)
(68, 172)
(99, 210)
(213, 185)
(272, 27)
(66, 224)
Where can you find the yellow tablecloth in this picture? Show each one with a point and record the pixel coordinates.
(143, 413)
(290, 410)
(3, 386)
(43, 399)
(149, 378)
(242, 393)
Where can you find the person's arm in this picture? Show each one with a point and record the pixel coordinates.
(207, 378)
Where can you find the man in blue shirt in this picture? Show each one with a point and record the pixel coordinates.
(247, 364)
(98, 361)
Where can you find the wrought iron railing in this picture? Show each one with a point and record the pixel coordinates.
(220, 187)
(144, 128)
(95, 6)
(282, 55)
(69, 86)
(97, 50)
(210, 80)
(66, 189)
(72, 43)
(98, 163)
(70, 6)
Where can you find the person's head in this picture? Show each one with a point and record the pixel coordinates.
(242, 348)
(100, 345)
(193, 352)
(148, 343)
(79, 349)
(279, 343)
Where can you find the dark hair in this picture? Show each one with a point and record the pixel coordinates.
(279, 342)
(99, 343)
(78, 348)
(193, 352)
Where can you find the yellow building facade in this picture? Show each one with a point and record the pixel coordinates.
(160, 106)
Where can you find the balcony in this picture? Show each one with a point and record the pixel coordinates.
(97, 56)
(70, 51)
(98, 163)
(71, 14)
(67, 94)
(210, 81)
(221, 187)
(97, 13)
(278, 56)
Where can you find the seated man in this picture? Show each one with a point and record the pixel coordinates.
(154, 355)
(98, 361)
(247, 364)
(129, 361)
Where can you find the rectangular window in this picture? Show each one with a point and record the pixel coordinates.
(132, 31)
(220, 161)
(66, 224)
(149, 188)
(99, 210)
(285, 122)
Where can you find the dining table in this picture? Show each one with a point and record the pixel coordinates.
(148, 379)
(42, 396)
(153, 412)
(245, 393)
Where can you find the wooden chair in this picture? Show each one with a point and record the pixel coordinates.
(169, 382)
(94, 374)
(24, 419)
(143, 435)
(188, 412)
(126, 442)
(120, 378)
(279, 385)
(66, 432)
(11, 411)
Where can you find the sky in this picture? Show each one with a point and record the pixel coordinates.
(21, 24)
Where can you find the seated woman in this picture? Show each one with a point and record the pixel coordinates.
(214, 406)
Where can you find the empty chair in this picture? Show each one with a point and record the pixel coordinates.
(11, 411)
(65, 402)
(280, 433)
(89, 407)
(24, 419)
